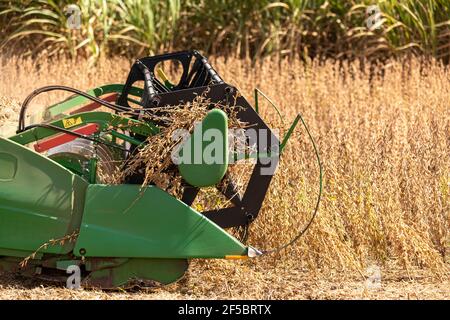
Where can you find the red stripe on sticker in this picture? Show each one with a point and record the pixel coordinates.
(60, 139)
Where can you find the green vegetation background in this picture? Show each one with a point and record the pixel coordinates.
(325, 28)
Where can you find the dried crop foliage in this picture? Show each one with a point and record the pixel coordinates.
(384, 138)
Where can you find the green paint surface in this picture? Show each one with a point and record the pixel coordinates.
(120, 221)
(39, 200)
(200, 148)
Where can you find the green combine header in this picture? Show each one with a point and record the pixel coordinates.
(55, 212)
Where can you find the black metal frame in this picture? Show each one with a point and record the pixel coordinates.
(197, 79)
(199, 74)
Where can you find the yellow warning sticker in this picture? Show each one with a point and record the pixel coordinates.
(71, 122)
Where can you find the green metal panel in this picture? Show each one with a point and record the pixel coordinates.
(39, 200)
(204, 162)
(122, 221)
(18, 253)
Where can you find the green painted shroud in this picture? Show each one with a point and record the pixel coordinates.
(123, 221)
(39, 200)
(204, 155)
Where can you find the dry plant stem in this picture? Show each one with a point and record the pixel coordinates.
(52, 242)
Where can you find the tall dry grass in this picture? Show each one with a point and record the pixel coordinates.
(384, 139)
(385, 148)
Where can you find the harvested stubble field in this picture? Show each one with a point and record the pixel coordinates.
(384, 139)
